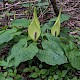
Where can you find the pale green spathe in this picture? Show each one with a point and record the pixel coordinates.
(34, 28)
(56, 28)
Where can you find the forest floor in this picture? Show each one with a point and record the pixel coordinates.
(71, 7)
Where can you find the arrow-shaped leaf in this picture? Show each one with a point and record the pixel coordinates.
(34, 28)
(7, 35)
(56, 28)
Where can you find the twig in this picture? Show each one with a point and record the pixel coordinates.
(76, 4)
(10, 6)
(69, 9)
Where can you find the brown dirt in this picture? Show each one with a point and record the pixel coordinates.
(71, 7)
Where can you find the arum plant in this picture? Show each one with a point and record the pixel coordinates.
(51, 50)
(34, 28)
(56, 28)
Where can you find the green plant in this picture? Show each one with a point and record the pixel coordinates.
(29, 40)
(10, 74)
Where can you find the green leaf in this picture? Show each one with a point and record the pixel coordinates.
(52, 38)
(72, 53)
(20, 53)
(52, 53)
(8, 35)
(64, 32)
(26, 4)
(55, 77)
(45, 27)
(36, 69)
(50, 78)
(74, 58)
(74, 78)
(26, 70)
(34, 28)
(2, 31)
(43, 71)
(37, 79)
(8, 78)
(63, 18)
(42, 4)
(56, 28)
(20, 23)
(33, 75)
(1, 76)
(5, 74)
(64, 72)
(7, 13)
(3, 63)
(11, 74)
